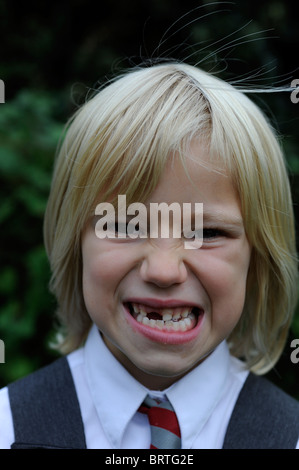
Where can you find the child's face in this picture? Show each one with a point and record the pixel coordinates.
(207, 285)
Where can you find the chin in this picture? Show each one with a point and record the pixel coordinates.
(165, 369)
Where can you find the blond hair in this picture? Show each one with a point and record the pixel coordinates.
(119, 141)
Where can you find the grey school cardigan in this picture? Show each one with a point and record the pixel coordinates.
(46, 413)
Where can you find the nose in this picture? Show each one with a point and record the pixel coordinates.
(163, 267)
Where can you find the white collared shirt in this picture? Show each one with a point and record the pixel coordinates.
(109, 398)
(211, 388)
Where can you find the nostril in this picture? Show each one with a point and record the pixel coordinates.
(163, 270)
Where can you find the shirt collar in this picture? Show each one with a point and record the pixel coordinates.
(106, 378)
(195, 396)
(202, 388)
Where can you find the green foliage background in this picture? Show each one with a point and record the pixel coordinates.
(51, 54)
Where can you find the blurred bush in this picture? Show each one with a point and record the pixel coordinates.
(29, 134)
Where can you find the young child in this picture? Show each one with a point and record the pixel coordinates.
(150, 320)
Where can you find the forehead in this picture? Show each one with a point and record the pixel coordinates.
(195, 175)
(199, 180)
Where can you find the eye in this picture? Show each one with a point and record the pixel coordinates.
(206, 234)
(210, 233)
(130, 230)
(121, 227)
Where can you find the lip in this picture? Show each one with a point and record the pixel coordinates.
(161, 336)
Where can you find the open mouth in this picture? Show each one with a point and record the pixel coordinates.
(175, 319)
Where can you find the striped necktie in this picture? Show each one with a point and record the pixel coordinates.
(165, 430)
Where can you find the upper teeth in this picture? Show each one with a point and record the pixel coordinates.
(166, 313)
(171, 319)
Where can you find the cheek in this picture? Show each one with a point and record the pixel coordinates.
(225, 280)
(104, 267)
(99, 261)
(93, 269)
(98, 286)
(98, 281)
(96, 270)
(91, 283)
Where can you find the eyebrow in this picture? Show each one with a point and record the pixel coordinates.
(213, 216)
(219, 216)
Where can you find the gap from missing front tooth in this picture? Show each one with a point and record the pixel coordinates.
(153, 315)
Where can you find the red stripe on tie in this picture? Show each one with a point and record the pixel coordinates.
(165, 429)
(165, 419)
